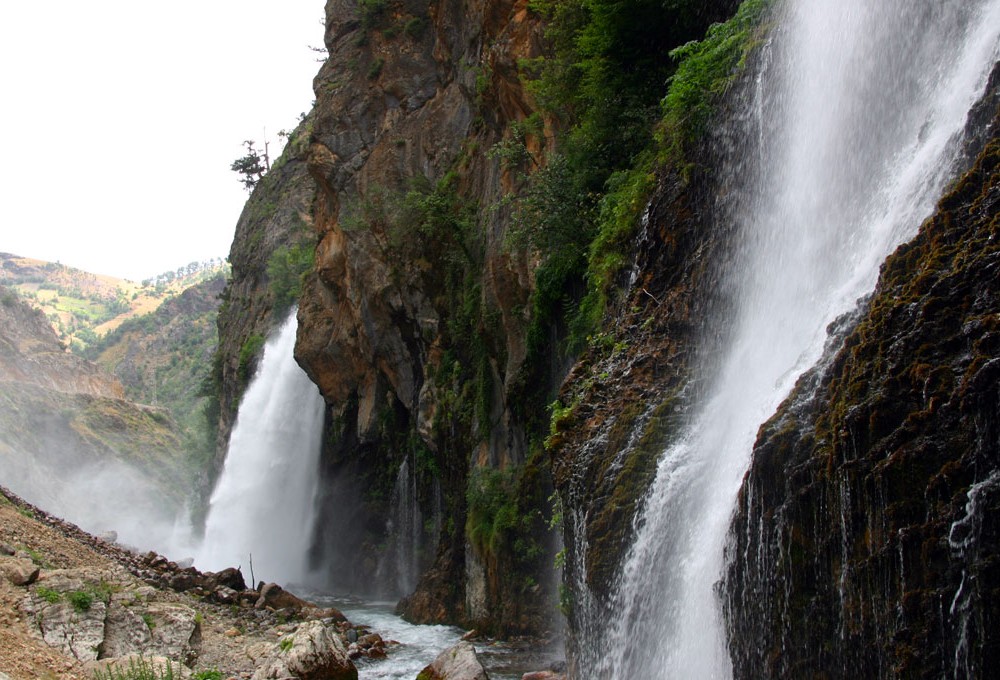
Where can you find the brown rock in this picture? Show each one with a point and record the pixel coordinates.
(273, 596)
(18, 571)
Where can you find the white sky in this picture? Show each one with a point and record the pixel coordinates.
(120, 119)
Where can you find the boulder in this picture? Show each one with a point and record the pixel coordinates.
(312, 652)
(18, 571)
(125, 632)
(78, 632)
(175, 630)
(273, 596)
(455, 663)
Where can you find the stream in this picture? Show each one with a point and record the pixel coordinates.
(420, 644)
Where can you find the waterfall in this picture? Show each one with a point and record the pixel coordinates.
(263, 504)
(861, 107)
(399, 565)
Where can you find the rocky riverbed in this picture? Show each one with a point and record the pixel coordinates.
(72, 604)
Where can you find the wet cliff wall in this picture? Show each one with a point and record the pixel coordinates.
(865, 541)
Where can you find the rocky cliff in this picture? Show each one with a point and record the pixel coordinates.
(442, 135)
(413, 322)
(272, 230)
(865, 541)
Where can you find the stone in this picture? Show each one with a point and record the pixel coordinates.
(19, 571)
(273, 596)
(231, 578)
(176, 631)
(455, 663)
(543, 675)
(6, 549)
(77, 633)
(311, 653)
(125, 632)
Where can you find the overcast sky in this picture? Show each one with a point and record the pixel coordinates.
(121, 118)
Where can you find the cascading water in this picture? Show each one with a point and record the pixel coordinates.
(263, 504)
(861, 107)
(399, 566)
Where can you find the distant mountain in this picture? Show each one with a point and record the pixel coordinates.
(72, 444)
(82, 307)
(164, 358)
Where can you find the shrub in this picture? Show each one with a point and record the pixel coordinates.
(81, 600)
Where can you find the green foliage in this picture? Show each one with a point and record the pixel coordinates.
(47, 594)
(81, 600)
(370, 12)
(213, 674)
(286, 269)
(251, 167)
(414, 28)
(286, 644)
(149, 621)
(491, 509)
(705, 70)
(376, 68)
(138, 669)
(249, 352)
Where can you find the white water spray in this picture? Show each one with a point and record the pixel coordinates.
(263, 504)
(862, 106)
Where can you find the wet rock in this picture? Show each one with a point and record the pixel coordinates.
(455, 663)
(182, 582)
(18, 571)
(543, 675)
(311, 653)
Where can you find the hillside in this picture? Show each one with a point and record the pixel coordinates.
(67, 435)
(72, 605)
(82, 306)
(164, 357)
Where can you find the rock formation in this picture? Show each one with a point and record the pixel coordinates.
(865, 541)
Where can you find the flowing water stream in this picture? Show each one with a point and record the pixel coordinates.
(860, 110)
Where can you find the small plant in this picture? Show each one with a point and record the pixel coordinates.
(414, 28)
(47, 594)
(138, 669)
(376, 68)
(81, 600)
(213, 674)
(149, 621)
(285, 644)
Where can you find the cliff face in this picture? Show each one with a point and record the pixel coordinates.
(275, 219)
(413, 322)
(866, 539)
